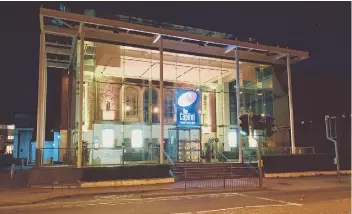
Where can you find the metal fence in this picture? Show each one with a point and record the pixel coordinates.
(221, 177)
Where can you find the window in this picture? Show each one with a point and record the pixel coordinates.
(11, 127)
(154, 111)
(252, 142)
(10, 137)
(107, 106)
(108, 138)
(9, 149)
(169, 106)
(131, 102)
(232, 139)
(137, 138)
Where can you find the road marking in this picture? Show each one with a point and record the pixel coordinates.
(182, 213)
(279, 201)
(244, 207)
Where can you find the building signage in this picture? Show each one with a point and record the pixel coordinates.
(187, 108)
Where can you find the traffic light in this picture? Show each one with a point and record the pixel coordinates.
(269, 124)
(257, 122)
(244, 124)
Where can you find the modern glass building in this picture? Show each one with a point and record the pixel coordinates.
(134, 93)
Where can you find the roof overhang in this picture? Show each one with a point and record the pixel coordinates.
(117, 32)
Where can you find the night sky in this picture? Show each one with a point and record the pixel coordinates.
(321, 84)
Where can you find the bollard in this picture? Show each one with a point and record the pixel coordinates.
(22, 164)
(12, 170)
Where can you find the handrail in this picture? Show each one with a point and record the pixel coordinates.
(250, 155)
(227, 160)
(201, 160)
(168, 158)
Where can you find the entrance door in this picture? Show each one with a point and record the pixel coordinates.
(184, 144)
(24, 141)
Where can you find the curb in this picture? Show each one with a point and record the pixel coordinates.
(124, 183)
(305, 174)
(111, 183)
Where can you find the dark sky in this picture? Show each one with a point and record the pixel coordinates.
(321, 84)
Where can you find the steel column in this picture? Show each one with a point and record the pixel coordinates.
(238, 108)
(80, 111)
(292, 122)
(161, 100)
(41, 94)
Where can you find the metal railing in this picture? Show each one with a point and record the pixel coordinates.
(223, 156)
(168, 158)
(225, 177)
(249, 156)
(251, 153)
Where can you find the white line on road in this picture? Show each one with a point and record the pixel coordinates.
(273, 200)
(244, 207)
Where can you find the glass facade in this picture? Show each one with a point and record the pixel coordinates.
(121, 107)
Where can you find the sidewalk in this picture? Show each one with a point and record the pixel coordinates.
(12, 197)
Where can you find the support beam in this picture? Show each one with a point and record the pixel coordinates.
(170, 45)
(238, 108)
(67, 32)
(57, 65)
(278, 56)
(40, 109)
(73, 50)
(172, 33)
(80, 105)
(292, 121)
(58, 44)
(59, 51)
(161, 101)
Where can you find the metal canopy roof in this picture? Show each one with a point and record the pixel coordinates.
(61, 40)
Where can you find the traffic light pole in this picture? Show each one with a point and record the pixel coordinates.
(260, 163)
(333, 137)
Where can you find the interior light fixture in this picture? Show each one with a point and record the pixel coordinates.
(229, 48)
(156, 110)
(156, 38)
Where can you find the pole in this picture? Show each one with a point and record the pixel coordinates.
(260, 162)
(331, 138)
(292, 122)
(238, 107)
(80, 111)
(40, 111)
(161, 100)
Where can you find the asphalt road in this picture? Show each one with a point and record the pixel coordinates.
(323, 201)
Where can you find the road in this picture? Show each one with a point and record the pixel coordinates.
(330, 201)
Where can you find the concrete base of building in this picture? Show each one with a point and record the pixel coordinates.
(131, 182)
(305, 174)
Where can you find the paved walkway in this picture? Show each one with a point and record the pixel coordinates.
(10, 197)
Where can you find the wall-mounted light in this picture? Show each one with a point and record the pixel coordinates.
(229, 48)
(156, 38)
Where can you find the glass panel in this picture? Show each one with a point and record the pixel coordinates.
(121, 93)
